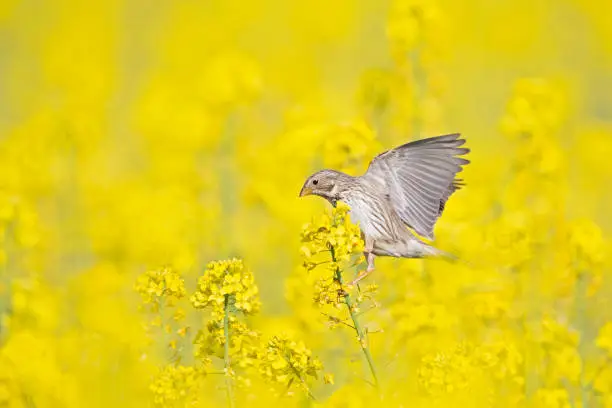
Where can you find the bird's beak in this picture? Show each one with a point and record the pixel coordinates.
(305, 191)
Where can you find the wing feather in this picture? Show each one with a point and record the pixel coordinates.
(419, 177)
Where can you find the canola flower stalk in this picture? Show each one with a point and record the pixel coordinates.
(226, 353)
(335, 236)
(227, 286)
(361, 335)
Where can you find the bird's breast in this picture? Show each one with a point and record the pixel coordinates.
(372, 214)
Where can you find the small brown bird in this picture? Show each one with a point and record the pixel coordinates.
(404, 187)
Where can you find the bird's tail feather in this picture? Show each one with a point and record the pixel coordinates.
(433, 252)
(413, 249)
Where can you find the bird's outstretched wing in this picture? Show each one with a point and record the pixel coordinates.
(419, 177)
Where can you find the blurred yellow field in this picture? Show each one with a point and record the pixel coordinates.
(154, 250)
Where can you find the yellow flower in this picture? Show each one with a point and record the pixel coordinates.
(331, 239)
(286, 362)
(176, 383)
(182, 331)
(469, 367)
(244, 342)
(328, 378)
(228, 281)
(160, 283)
(536, 108)
(348, 147)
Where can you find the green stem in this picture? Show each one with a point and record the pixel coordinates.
(226, 357)
(297, 374)
(363, 342)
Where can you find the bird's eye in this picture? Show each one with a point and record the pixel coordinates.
(315, 182)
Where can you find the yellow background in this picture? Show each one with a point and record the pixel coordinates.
(138, 134)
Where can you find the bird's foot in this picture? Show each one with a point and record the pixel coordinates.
(361, 275)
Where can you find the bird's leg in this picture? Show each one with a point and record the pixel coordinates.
(370, 258)
(368, 252)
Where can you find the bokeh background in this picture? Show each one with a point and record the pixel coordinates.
(137, 135)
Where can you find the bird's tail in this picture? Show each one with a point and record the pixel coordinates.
(430, 251)
(413, 249)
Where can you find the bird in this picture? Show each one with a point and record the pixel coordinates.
(399, 198)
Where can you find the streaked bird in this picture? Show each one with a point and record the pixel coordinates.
(404, 189)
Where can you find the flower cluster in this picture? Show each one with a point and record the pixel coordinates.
(176, 384)
(535, 112)
(164, 283)
(331, 240)
(227, 281)
(286, 362)
(537, 107)
(244, 342)
(227, 288)
(469, 368)
(443, 372)
(408, 23)
(349, 146)
(334, 241)
(415, 29)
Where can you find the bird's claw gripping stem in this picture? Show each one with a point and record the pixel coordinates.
(370, 257)
(361, 276)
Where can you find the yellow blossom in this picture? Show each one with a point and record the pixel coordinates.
(333, 231)
(287, 362)
(164, 283)
(174, 384)
(227, 280)
(328, 378)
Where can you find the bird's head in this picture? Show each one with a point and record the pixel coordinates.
(325, 183)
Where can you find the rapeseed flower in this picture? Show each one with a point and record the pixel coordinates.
(227, 280)
(164, 283)
(286, 362)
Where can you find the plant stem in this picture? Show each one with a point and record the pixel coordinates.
(226, 357)
(363, 342)
(304, 384)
